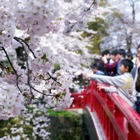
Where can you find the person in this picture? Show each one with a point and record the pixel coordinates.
(120, 56)
(136, 92)
(121, 84)
(133, 72)
(111, 68)
(95, 70)
(100, 65)
(129, 56)
(137, 87)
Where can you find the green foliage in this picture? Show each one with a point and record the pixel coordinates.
(59, 18)
(99, 26)
(61, 113)
(64, 125)
(44, 58)
(6, 126)
(56, 67)
(117, 14)
(79, 52)
(103, 3)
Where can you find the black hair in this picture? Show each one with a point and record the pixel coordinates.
(93, 66)
(129, 54)
(105, 52)
(138, 47)
(114, 52)
(127, 63)
(121, 52)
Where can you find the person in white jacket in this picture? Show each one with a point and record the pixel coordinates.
(122, 84)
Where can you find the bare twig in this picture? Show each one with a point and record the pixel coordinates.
(50, 77)
(93, 3)
(40, 92)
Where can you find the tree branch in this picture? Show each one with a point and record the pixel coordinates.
(50, 77)
(7, 56)
(23, 41)
(40, 91)
(93, 3)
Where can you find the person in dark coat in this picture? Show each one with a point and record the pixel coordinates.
(100, 65)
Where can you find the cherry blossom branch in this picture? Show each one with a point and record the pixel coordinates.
(23, 43)
(93, 3)
(80, 21)
(8, 58)
(28, 75)
(50, 77)
(40, 92)
(20, 40)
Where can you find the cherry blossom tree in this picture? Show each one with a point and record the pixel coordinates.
(43, 29)
(123, 24)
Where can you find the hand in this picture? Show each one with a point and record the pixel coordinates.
(101, 87)
(86, 75)
(104, 59)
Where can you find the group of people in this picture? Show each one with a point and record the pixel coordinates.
(110, 62)
(121, 72)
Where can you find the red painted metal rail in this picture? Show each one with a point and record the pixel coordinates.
(118, 120)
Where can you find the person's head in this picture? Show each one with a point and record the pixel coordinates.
(129, 56)
(94, 68)
(120, 54)
(113, 55)
(138, 51)
(126, 66)
(106, 53)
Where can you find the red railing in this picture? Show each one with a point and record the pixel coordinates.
(119, 121)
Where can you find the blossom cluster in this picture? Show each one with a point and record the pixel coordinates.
(11, 101)
(35, 118)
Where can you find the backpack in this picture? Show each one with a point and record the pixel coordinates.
(137, 84)
(137, 87)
